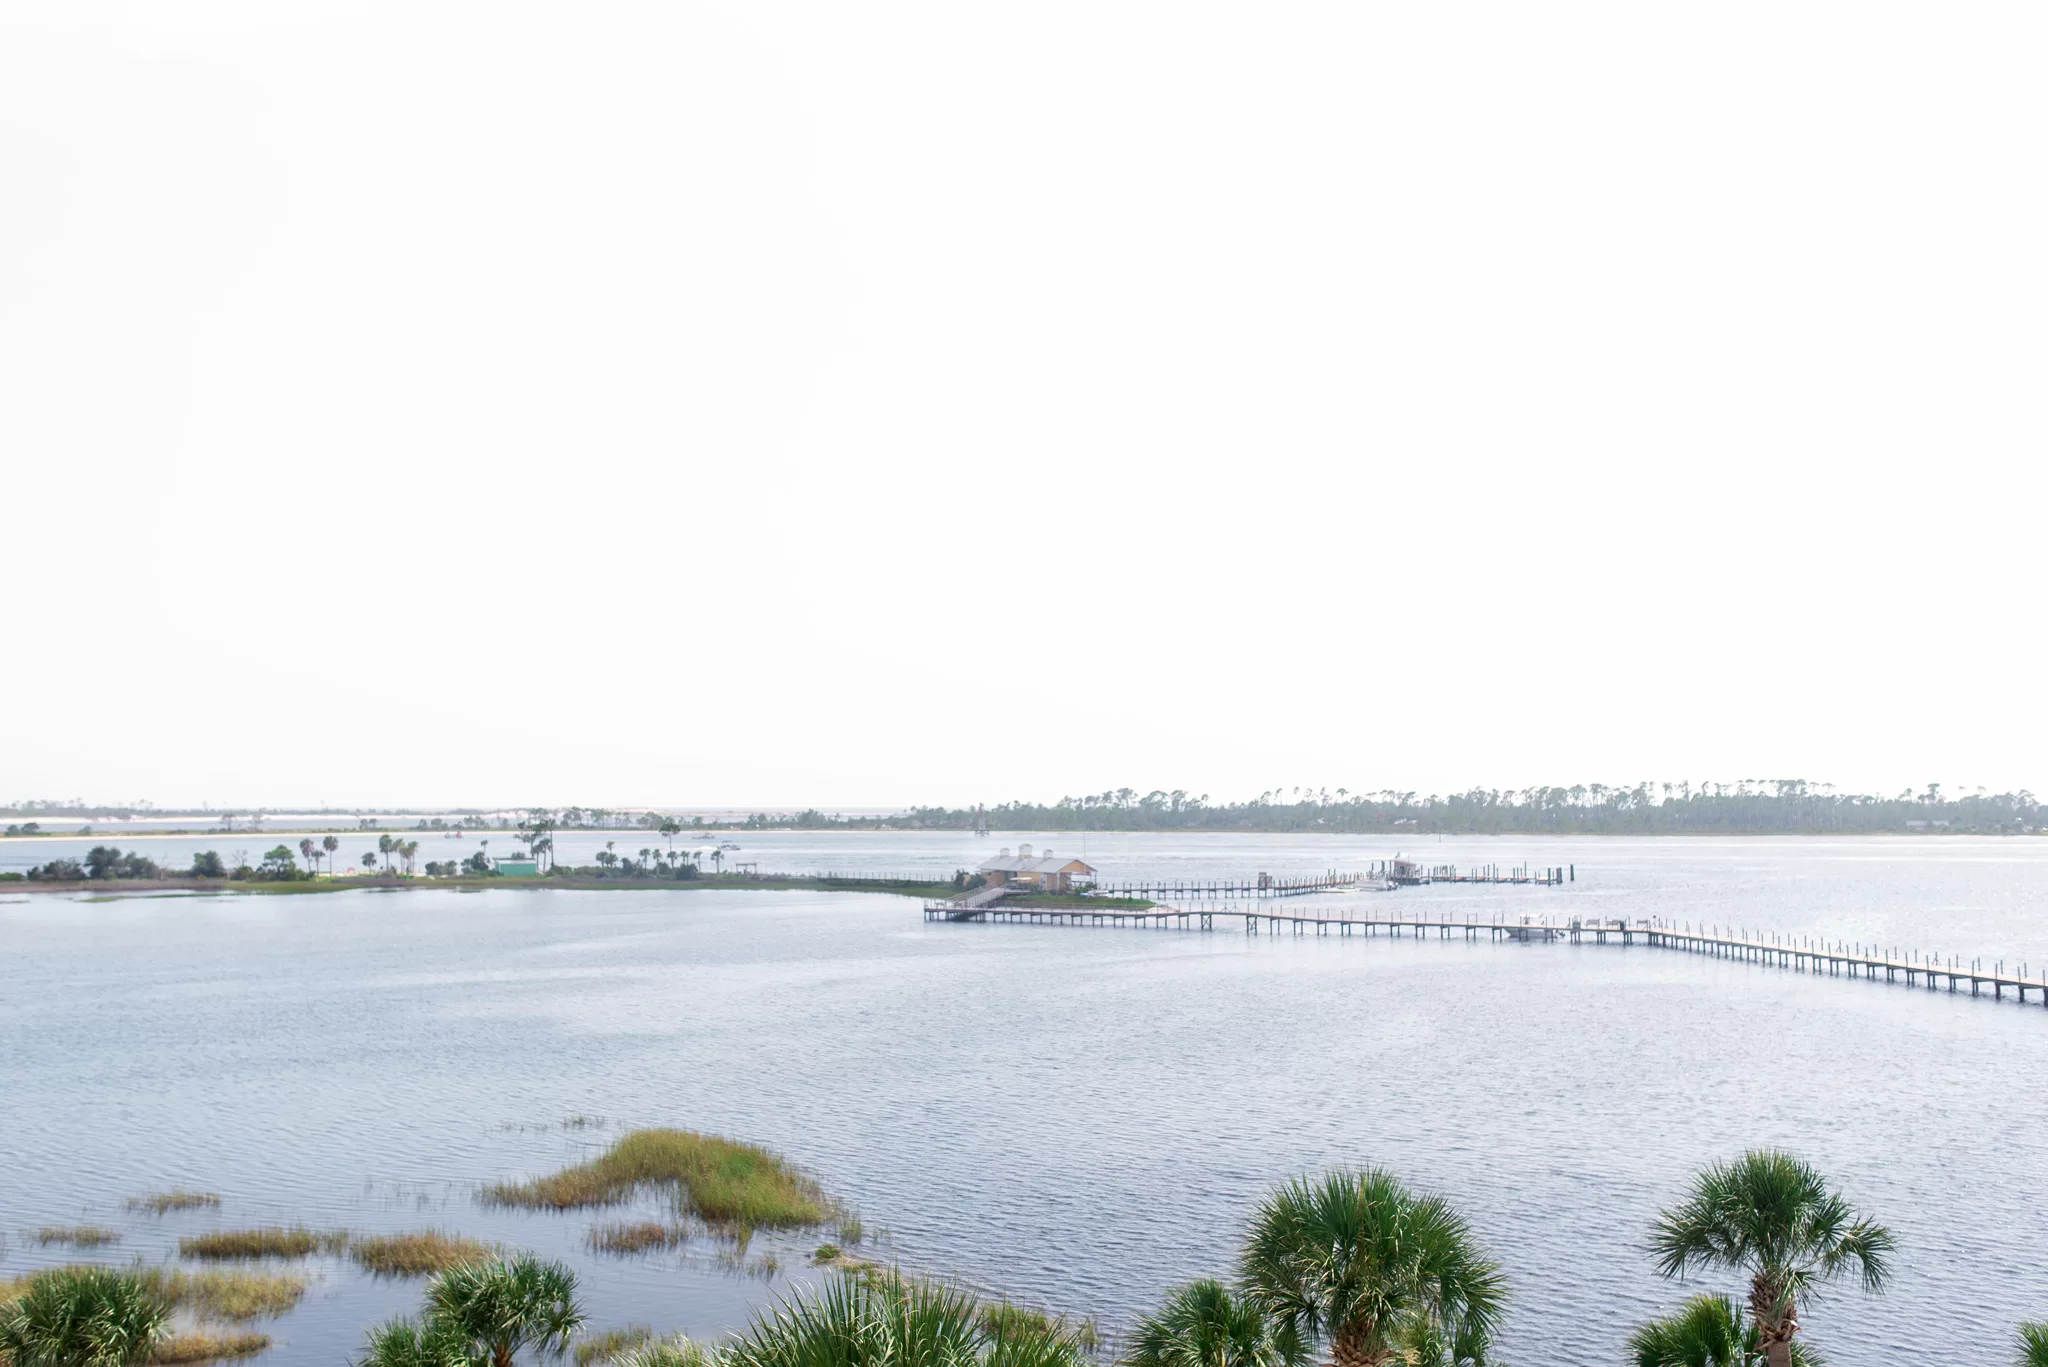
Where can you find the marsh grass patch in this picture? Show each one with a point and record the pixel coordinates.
(611, 1343)
(423, 1253)
(645, 1237)
(727, 1184)
(78, 1236)
(670, 1352)
(202, 1347)
(272, 1242)
(164, 1202)
(1005, 1320)
(735, 1262)
(233, 1295)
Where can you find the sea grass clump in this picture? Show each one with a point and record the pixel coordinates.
(235, 1295)
(424, 1253)
(271, 1242)
(164, 1202)
(77, 1236)
(611, 1344)
(722, 1182)
(644, 1237)
(183, 1350)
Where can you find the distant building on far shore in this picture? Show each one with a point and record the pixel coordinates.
(1044, 872)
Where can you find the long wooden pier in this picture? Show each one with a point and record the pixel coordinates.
(1797, 956)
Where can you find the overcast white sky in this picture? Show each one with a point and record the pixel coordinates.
(864, 403)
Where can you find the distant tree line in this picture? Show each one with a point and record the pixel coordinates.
(1750, 807)
(107, 863)
(1747, 807)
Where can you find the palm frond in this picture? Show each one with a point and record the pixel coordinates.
(888, 1321)
(83, 1317)
(1772, 1215)
(507, 1306)
(1357, 1257)
(408, 1343)
(1203, 1325)
(1707, 1332)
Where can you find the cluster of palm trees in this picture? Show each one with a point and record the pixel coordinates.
(391, 849)
(647, 860)
(1358, 1266)
(312, 852)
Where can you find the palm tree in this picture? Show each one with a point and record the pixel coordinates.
(1377, 1272)
(885, 1321)
(2033, 1345)
(330, 844)
(83, 1317)
(1771, 1215)
(502, 1307)
(384, 847)
(1203, 1325)
(1708, 1332)
(306, 848)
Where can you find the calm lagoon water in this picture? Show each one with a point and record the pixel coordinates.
(1077, 1118)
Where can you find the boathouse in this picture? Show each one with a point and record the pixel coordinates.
(1044, 871)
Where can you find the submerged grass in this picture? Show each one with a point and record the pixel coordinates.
(273, 1242)
(78, 1236)
(1004, 1320)
(611, 1343)
(669, 1352)
(646, 1237)
(725, 1183)
(164, 1202)
(424, 1253)
(226, 1295)
(191, 1348)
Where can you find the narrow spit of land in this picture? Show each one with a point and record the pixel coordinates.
(179, 886)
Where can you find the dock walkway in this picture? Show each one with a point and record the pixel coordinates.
(1841, 960)
(1383, 874)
